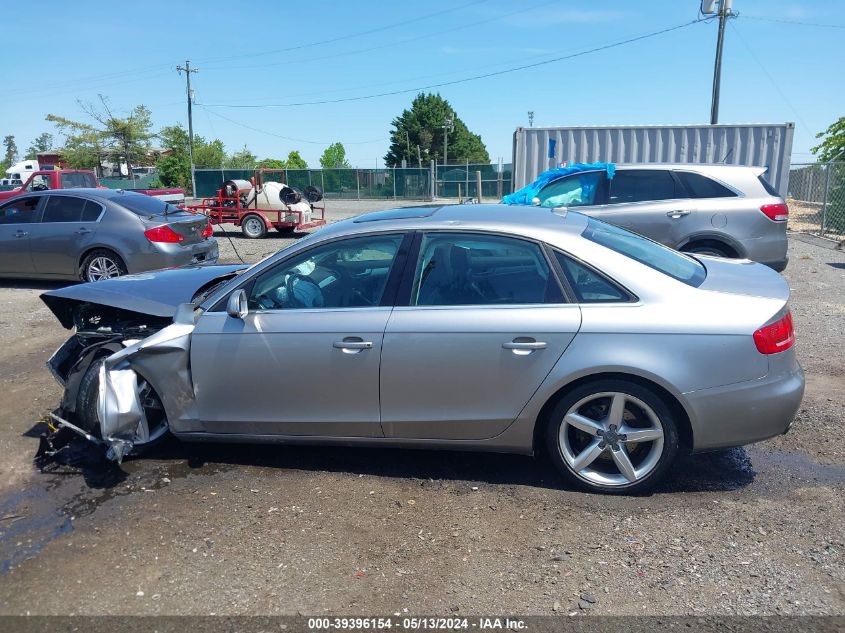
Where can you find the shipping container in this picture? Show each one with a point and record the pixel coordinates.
(536, 149)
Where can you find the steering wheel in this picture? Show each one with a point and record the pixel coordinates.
(314, 291)
(39, 187)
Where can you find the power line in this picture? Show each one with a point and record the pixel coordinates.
(798, 22)
(771, 79)
(287, 138)
(368, 49)
(466, 79)
(348, 36)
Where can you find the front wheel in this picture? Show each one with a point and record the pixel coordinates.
(612, 436)
(151, 429)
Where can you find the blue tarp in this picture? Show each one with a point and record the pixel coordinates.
(525, 195)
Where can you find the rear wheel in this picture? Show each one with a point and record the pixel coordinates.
(612, 436)
(709, 248)
(102, 264)
(151, 429)
(253, 227)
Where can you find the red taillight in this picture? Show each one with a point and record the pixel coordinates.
(208, 231)
(163, 233)
(776, 337)
(776, 212)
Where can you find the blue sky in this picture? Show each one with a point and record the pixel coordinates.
(259, 53)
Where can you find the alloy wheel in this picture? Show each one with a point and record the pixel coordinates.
(102, 268)
(611, 439)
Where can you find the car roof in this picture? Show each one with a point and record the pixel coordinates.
(89, 192)
(550, 225)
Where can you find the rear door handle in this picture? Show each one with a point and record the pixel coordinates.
(82, 231)
(524, 345)
(20, 233)
(679, 213)
(352, 345)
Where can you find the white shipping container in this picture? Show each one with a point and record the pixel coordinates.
(753, 145)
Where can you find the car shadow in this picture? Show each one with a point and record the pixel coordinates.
(717, 471)
(35, 284)
(724, 470)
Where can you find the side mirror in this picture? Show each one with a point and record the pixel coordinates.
(535, 201)
(237, 307)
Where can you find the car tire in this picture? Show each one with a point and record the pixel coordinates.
(101, 264)
(597, 457)
(253, 227)
(89, 420)
(713, 250)
(285, 230)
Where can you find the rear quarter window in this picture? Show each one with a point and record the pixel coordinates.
(699, 186)
(768, 187)
(661, 258)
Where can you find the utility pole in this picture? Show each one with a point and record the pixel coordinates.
(708, 8)
(188, 70)
(531, 118)
(448, 126)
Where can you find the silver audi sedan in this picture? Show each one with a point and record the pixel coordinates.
(475, 327)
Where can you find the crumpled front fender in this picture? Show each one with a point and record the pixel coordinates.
(163, 361)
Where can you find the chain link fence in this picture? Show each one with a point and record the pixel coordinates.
(408, 183)
(356, 184)
(816, 198)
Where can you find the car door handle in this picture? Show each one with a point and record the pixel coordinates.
(20, 233)
(522, 345)
(678, 213)
(352, 344)
(82, 231)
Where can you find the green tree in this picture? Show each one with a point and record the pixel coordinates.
(124, 139)
(175, 167)
(295, 161)
(242, 159)
(422, 126)
(11, 152)
(42, 143)
(334, 157)
(272, 163)
(832, 146)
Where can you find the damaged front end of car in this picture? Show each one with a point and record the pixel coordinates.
(126, 372)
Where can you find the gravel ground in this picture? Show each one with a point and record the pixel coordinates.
(272, 530)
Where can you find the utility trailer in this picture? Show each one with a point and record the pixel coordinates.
(258, 205)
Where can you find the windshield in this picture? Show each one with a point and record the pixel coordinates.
(654, 255)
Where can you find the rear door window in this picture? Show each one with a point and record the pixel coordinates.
(642, 185)
(577, 190)
(460, 269)
(699, 186)
(63, 209)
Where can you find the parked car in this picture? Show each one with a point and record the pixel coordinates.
(94, 234)
(722, 210)
(474, 327)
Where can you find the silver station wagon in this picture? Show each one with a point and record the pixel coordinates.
(475, 327)
(722, 210)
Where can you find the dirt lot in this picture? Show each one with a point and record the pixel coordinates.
(270, 530)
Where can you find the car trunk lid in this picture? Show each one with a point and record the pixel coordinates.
(187, 225)
(743, 277)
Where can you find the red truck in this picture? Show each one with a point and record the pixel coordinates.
(45, 179)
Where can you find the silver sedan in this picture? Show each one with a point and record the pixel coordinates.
(476, 327)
